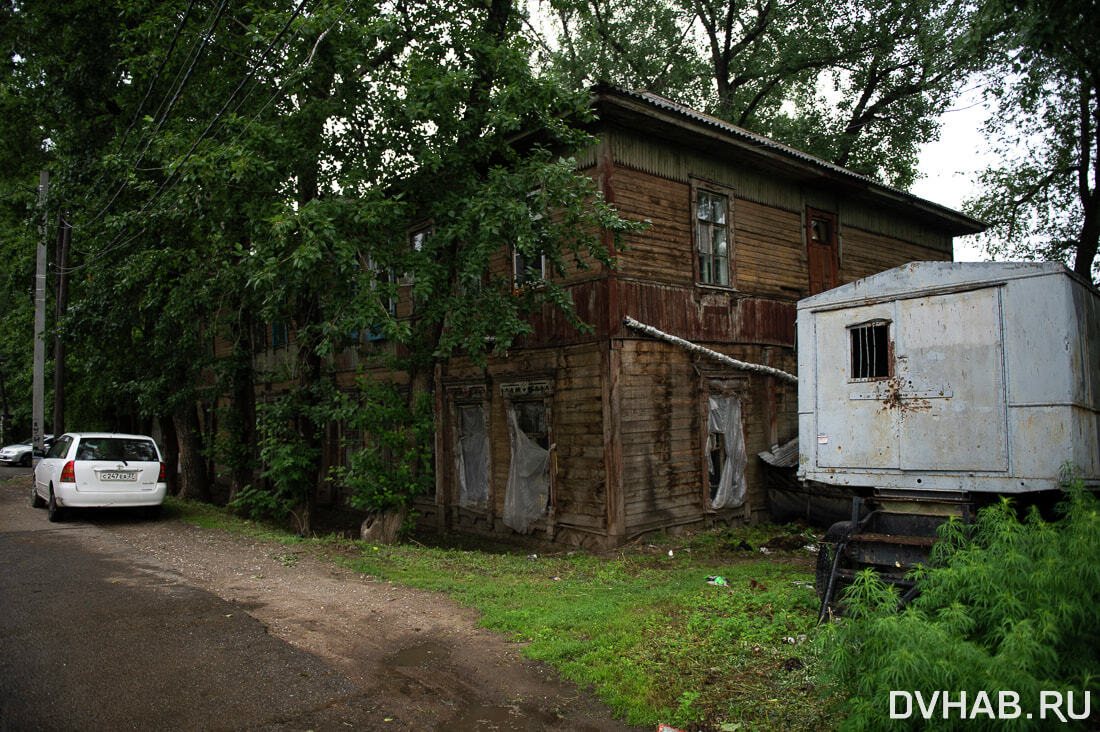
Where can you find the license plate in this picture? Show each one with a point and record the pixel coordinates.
(118, 476)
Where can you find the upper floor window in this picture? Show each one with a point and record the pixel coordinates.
(712, 238)
(528, 270)
(279, 335)
(417, 239)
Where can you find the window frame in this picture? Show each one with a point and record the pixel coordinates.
(855, 374)
(416, 237)
(701, 188)
(520, 280)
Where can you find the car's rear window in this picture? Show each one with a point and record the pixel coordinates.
(116, 448)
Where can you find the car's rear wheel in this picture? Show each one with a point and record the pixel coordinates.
(36, 500)
(53, 511)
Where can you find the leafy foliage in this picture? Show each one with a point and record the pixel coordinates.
(858, 83)
(289, 456)
(1012, 608)
(1043, 200)
(390, 459)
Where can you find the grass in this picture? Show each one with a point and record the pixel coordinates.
(640, 626)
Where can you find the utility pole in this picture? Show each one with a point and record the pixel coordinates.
(64, 239)
(38, 389)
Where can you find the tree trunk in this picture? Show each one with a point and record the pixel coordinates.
(384, 527)
(1087, 245)
(171, 454)
(242, 415)
(194, 481)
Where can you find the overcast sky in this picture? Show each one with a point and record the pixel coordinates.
(952, 164)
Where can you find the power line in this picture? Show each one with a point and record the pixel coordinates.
(148, 92)
(173, 177)
(156, 75)
(179, 90)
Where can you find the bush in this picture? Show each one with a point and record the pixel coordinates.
(390, 460)
(1011, 606)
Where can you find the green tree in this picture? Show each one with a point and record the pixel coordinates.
(1042, 202)
(858, 83)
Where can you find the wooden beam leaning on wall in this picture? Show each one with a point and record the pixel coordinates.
(756, 368)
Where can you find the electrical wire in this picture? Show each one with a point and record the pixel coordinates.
(148, 92)
(156, 75)
(167, 111)
(173, 177)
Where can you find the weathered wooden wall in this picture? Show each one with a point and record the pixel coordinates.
(627, 415)
(663, 416)
(575, 414)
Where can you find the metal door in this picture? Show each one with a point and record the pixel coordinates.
(951, 387)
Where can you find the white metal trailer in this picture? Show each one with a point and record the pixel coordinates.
(976, 377)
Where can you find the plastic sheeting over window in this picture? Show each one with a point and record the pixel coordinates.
(472, 457)
(528, 490)
(725, 419)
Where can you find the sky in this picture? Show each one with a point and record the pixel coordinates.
(951, 164)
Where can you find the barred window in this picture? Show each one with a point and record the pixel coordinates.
(871, 350)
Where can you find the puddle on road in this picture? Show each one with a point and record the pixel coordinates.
(488, 718)
(425, 654)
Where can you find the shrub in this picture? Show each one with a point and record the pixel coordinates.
(1011, 606)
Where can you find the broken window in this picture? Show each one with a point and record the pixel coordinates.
(871, 350)
(711, 238)
(472, 456)
(528, 492)
(726, 458)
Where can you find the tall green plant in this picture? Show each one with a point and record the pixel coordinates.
(390, 459)
(289, 457)
(1011, 608)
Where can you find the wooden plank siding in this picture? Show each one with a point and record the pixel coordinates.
(575, 415)
(863, 253)
(666, 394)
(627, 415)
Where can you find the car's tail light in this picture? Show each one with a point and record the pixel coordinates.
(162, 476)
(68, 473)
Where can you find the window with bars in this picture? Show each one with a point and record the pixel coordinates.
(712, 238)
(871, 350)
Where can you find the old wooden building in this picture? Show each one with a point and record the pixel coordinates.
(597, 438)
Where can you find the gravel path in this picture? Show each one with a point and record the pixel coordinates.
(413, 652)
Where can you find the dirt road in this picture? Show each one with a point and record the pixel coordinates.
(414, 654)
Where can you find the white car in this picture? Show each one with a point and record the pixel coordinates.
(87, 469)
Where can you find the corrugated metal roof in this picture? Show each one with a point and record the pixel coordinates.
(782, 456)
(758, 140)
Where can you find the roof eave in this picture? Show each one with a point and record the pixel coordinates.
(616, 104)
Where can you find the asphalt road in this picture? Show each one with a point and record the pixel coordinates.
(92, 638)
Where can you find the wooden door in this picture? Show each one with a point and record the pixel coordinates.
(821, 251)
